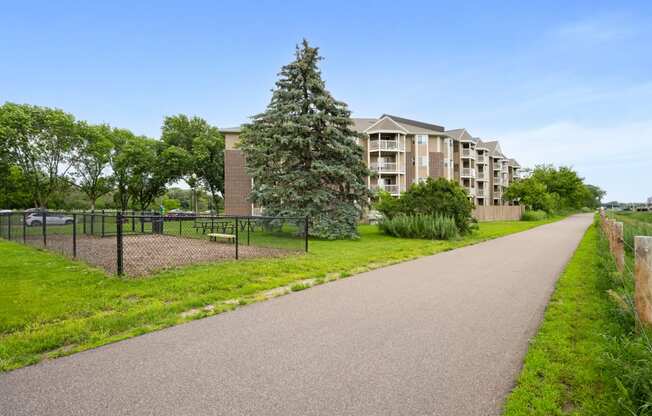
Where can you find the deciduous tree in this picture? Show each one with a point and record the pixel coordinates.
(40, 141)
(91, 160)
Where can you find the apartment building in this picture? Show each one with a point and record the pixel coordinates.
(400, 152)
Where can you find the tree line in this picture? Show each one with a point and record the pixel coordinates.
(547, 188)
(47, 157)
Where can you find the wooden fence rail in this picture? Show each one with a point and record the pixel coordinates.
(614, 231)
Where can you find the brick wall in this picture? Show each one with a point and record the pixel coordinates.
(436, 161)
(237, 184)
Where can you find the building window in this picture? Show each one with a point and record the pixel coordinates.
(424, 160)
(422, 139)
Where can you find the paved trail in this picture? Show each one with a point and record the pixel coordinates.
(441, 335)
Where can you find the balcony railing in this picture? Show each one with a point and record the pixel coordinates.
(386, 167)
(480, 176)
(470, 190)
(498, 181)
(480, 159)
(392, 189)
(468, 153)
(391, 145)
(498, 194)
(479, 192)
(468, 173)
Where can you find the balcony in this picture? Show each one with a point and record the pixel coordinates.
(481, 176)
(498, 181)
(498, 194)
(467, 173)
(481, 159)
(479, 192)
(386, 167)
(471, 191)
(392, 189)
(389, 145)
(468, 153)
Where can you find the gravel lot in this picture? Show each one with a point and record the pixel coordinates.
(145, 254)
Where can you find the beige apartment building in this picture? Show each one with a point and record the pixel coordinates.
(400, 152)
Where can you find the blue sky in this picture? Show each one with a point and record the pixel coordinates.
(555, 81)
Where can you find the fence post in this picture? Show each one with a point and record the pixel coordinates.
(305, 232)
(619, 245)
(248, 229)
(643, 276)
(237, 242)
(119, 243)
(74, 235)
(103, 223)
(24, 227)
(142, 223)
(45, 231)
(179, 225)
(9, 226)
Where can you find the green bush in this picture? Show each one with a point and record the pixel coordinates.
(433, 227)
(439, 197)
(534, 215)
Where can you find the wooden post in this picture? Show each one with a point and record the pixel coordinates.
(619, 246)
(643, 276)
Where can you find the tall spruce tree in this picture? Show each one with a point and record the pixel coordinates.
(303, 154)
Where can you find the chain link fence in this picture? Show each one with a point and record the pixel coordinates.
(137, 243)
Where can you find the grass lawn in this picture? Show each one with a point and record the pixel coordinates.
(567, 370)
(51, 306)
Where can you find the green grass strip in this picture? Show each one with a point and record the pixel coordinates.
(566, 368)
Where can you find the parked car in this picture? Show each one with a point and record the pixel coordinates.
(36, 219)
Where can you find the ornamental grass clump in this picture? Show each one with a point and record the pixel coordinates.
(432, 227)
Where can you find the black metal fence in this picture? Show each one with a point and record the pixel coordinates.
(138, 243)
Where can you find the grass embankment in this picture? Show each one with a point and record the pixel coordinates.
(51, 306)
(588, 357)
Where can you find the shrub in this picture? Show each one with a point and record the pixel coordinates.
(534, 215)
(386, 204)
(433, 227)
(439, 197)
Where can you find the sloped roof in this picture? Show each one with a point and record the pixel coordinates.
(362, 124)
(481, 145)
(514, 163)
(494, 149)
(461, 135)
(388, 122)
(416, 126)
(385, 124)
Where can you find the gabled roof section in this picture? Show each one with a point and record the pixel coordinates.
(480, 145)
(461, 135)
(362, 124)
(514, 163)
(494, 149)
(414, 126)
(385, 124)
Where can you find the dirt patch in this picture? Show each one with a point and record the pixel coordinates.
(145, 254)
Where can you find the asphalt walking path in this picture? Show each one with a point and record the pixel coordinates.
(440, 335)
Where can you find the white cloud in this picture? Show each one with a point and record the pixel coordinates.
(617, 158)
(596, 29)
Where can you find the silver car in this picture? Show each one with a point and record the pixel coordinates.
(35, 219)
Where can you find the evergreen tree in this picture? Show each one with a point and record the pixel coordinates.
(303, 154)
